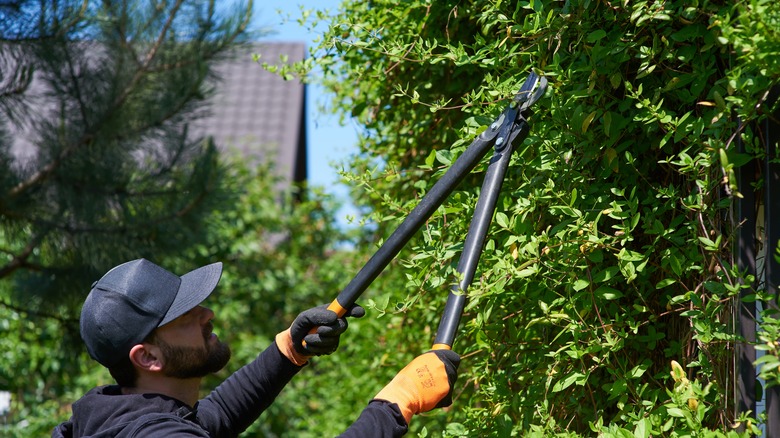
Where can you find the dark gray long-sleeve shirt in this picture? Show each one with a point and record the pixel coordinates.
(226, 412)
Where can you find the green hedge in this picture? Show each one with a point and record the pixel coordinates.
(604, 296)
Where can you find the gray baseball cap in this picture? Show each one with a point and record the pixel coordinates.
(133, 299)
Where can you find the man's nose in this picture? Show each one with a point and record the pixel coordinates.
(206, 314)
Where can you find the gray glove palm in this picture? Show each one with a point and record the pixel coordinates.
(329, 327)
(315, 332)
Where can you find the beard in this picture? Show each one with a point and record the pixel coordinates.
(189, 362)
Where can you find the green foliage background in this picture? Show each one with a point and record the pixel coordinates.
(280, 257)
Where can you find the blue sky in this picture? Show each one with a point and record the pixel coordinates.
(328, 142)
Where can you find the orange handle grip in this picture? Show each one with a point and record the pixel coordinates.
(337, 308)
(441, 347)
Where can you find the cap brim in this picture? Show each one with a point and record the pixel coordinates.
(195, 287)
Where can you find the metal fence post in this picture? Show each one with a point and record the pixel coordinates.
(771, 130)
(746, 210)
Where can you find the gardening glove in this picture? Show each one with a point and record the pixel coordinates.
(426, 383)
(315, 332)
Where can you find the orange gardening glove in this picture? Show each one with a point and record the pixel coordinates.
(315, 332)
(426, 383)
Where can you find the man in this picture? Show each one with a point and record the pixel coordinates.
(147, 326)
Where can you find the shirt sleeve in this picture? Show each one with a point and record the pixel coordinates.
(238, 401)
(380, 419)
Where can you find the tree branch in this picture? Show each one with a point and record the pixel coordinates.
(20, 260)
(52, 166)
(54, 316)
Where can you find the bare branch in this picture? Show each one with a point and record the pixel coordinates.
(55, 316)
(20, 260)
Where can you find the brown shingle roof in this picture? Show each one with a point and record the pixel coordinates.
(255, 111)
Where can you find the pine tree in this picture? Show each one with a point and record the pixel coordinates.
(97, 163)
(98, 166)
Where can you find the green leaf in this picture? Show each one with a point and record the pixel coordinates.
(457, 429)
(606, 274)
(675, 412)
(444, 157)
(639, 370)
(643, 428)
(665, 282)
(675, 264)
(429, 160)
(502, 219)
(580, 284)
(617, 389)
(608, 293)
(630, 256)
(567, 381)
(596, 35)
(586, 123)
(707, 242)
(767, 360)
(607, 122)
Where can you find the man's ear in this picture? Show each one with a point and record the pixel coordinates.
(146, 357)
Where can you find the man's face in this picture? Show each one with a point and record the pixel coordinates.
(189, 347)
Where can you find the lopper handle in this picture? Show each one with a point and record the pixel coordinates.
(530, 92)
(475, 238)
(337, 308)
(502, 131)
